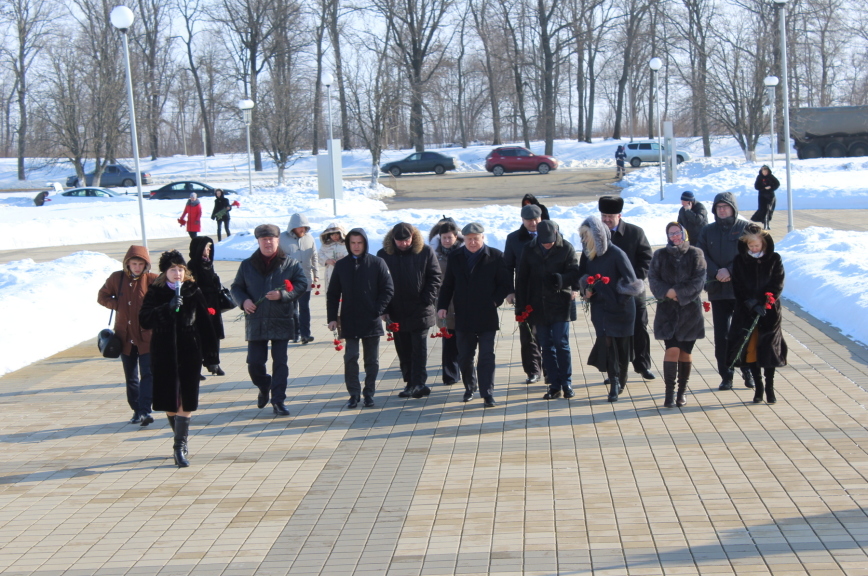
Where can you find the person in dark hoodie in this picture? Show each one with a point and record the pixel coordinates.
(201, 265)
(124, 291)
(416, 276)
(758, 272)
(267, 285)
(359, 291)
(692, 216)
(531, 199)
(220, 213)
(765, 185)
(719, 243)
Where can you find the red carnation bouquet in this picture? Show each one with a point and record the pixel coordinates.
(593, 282)
(390, 328)
(337, 341)
(524, 314)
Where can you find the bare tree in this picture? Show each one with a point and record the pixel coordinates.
(152, 46)
(553, 29)
(515, 56)
(634, 12)
(191, 12)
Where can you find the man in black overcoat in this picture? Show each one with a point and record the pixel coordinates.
(476, 283)
(632, 241)
(361, 288)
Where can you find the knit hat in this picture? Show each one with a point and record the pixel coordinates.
(688, 195)
(610, 204)
(171, 258)
(402, 231)
(473, 228)
(266, 231)
(531, 212)
(546, 232)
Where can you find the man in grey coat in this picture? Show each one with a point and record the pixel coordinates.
(297, 243)
(719, 242)
(268, 284)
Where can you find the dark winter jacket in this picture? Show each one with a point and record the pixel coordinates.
(515, 245)
(531, 199)
(693, 220)
(365, 286)
(475, 293)
(620, 156)
(182, 342)
(207, 279)
(751, 279)
(632, 241)
(272, 320)
(416, 276)
(443, 261)
(762, 181)
(612, 309)
(682, 268)
(545, 281)
(125, 294)
(221, 203)
(719, 242)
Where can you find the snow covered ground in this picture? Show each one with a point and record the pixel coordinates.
(826, 271)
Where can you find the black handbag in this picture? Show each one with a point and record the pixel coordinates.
(227, 302)
(109, 343)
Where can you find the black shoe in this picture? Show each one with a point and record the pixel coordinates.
(646, 374)
(568, 393)
(748, 381)
(606, 381)
(201, 376)
(468, 396)
(725, 385)
(406, 392)
(280, 409)
(489, 402)
(219, 372)
(532, 379)
(262, 399)
(420, 391)
(147, 419)
(306, 339)
(369, 402)
(354, 402)
(552, 394)
(136, 418)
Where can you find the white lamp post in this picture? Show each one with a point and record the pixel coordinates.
(656, 64)
(771, 82)
(328, 79)
(783, 11)
(247, 109)
(122, 18)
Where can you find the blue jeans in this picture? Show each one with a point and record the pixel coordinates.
(554, 343)
(257, 356)
(302, 320)
(140, 392)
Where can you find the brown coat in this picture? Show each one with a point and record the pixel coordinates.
(125, 295)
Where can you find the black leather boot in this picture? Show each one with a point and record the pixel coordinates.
(623, 369)
(614, 388)
(420, 391)
(756, 375)
(406, 392)
(770, 385)
(670, 372)
(171, 422)
(684, 369)
(182, 427)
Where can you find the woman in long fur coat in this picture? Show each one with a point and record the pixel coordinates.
(183, 337)
(677, 278)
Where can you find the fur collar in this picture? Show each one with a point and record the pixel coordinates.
(416, 247)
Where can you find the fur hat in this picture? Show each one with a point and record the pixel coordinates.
(611, 204)
(402, 231)
(266, 231)
(171, 258)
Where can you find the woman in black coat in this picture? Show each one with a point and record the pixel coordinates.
(765, 184)
(677, 278)
(221, 212)
(201, 265)
(758, 277)
(613, 312)
(183, 337)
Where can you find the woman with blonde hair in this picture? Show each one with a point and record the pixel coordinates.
(332, 248)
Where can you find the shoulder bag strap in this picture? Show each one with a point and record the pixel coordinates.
(118, 297)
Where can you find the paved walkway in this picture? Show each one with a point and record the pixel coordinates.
(436, 486)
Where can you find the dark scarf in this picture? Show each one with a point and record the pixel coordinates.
(472, 257)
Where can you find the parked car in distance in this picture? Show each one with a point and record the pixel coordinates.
(518, 159)
(184, 188)
(85, 194)
(113, 175)
(638, 152)
(420, 162)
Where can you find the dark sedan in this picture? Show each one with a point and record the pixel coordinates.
(420, 162)
(113, 175)
(184, 189)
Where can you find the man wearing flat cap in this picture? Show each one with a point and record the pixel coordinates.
(267, 285)
(416, 276)
(632, 240)
(476, 283)
(531, 358)
(547, 274)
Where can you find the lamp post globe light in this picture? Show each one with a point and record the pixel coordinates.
(247, 110)
(122, 18)
(656, 64)
(328, 79)
(782, 6)
(770, 83)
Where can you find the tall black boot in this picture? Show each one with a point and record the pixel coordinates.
(756, 373)
(684, 369)
(171, 422)
(623, 378)
(670, 372)
(182, 427)
(770, 385)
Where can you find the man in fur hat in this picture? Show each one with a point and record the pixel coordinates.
(416, 276)
(632, 241)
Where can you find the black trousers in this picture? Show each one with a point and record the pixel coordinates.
(641, 340)
(531, 356)
(449, 358)
(721, 315)
(371, 350)
(468, 342)
(412, 349)
(224, 224)
(257, 356)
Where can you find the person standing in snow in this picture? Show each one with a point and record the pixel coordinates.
(620, 158)
(297, 243)
(765, 185)
(220, 213)
(692, 216)
(124, 291)
(192, 216)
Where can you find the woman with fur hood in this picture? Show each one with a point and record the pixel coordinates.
(758, 271)
(677, 278)
(611, 295)
(183, 338)
(332, 248)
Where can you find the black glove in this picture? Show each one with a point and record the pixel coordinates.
(751, 303)
(557, 281)
(759, 309)
(213, 217)
(176, 302)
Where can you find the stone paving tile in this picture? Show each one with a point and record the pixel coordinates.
(436, 486)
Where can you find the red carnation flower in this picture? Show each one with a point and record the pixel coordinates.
(528, 308)
(337, 342)
(591, 280)
(211, 311)
(706, 306)
(316, 293)
(237, 204)
(339, 347)
(288, 285)
(605, 279)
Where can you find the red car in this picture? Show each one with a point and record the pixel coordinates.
(518, 159)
